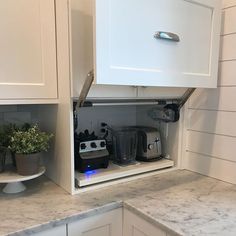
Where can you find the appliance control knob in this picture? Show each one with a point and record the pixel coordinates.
(93, 145)
(150, 146)
(83, 146)
(102, 144)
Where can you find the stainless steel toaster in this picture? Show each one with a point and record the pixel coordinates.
(149, 143)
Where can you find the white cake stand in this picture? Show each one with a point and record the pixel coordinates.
(14, 181)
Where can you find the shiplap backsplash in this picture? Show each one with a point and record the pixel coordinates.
(211, 115)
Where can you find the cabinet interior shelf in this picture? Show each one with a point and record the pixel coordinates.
(114, 172)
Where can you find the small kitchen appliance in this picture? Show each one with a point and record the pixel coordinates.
(124, 141)
(90, 152)
(149, 144)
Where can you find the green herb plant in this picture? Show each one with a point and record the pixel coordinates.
(29, 141)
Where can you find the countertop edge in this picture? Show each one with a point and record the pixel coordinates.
(58, 222)
(92, 212)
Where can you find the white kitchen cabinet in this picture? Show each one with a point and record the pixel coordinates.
(127, 53)
(28, 50)
(106, 224)
(57, 231)
(116, 39)
(136, 226)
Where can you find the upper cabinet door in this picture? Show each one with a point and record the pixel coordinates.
(129, 53)
(28, 49)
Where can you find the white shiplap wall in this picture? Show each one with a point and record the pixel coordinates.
(211, 114)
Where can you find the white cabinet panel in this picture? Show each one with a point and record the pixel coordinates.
(106, 224)
(128, 54)
(114, 91)
(110, 91)
(103, 230)
(57, 231)
(28, 49)
(154, 92)
(137, 232)
(136, 226)
(116, 38)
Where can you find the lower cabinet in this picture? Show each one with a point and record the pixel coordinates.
(119, 222)
(106, 224)
(57, 231)
(136, 226)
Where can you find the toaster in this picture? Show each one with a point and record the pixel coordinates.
(149, 144)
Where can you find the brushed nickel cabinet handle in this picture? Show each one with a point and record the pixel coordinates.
(167, 36)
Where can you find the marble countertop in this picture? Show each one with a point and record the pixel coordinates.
(179, 201)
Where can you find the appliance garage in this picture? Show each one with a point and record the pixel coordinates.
(127, 151)
(128, 91)
(120, 139)
(117, 143)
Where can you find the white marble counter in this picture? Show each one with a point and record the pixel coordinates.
(200, 207)
(178, 201)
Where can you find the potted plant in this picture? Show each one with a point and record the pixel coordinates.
(27, 145)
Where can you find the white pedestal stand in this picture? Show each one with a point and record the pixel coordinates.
(14, 181)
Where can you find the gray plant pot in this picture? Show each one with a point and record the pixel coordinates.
(27, 164)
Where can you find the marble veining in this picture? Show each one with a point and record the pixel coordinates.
(202, 207)
(180, 202)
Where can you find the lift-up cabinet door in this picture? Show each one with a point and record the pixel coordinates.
(27, 50)
(129, 50)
